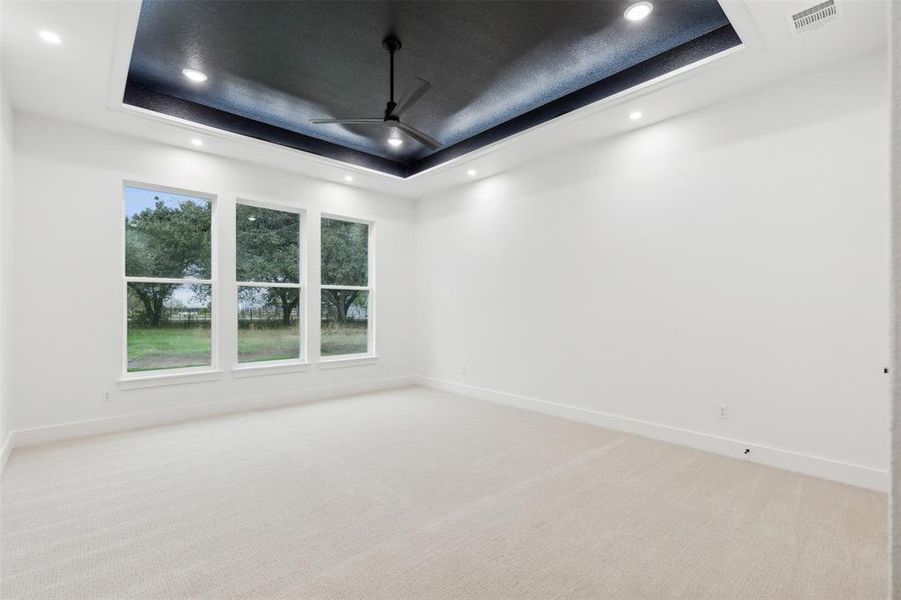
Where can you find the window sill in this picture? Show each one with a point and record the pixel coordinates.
(146, 381)
(347, 361)
(257, 369)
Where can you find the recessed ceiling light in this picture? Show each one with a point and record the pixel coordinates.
(197, 143)
(635, 115)
(348, 178)
(395, 141)
(194, 75)
(50, 37)
(251, 219)
(471, 172)
(638, 11)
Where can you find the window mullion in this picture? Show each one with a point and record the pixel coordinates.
(362, 288)
(264, 284)
(172, 280)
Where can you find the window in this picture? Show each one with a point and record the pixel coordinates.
(346, 292)
(168, 280)
(268, 271)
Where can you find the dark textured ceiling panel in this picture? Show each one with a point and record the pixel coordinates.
(274, 66)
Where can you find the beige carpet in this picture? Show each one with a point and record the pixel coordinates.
(418, 494)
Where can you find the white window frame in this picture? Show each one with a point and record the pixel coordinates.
(370, 288)
(300, 286)
(172, 375)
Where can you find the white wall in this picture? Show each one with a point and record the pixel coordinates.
(895, 57)
(6, 253)
(68, 288)
(737, 254)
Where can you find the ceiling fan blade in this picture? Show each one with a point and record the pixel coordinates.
(412, 97)
(419, 136)
(348, 121)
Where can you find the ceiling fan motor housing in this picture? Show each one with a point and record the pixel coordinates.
(391, 44)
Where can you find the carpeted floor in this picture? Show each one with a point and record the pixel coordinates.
(414, 493)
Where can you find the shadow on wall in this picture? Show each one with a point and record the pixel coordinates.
(738, 120)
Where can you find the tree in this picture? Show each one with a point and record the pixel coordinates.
(345, 254)
(167, 242)
(284, 299)
(174, 242)
(268, 250)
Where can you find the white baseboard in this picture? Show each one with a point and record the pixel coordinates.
(816, 466)
(5, 451)
(65, 431)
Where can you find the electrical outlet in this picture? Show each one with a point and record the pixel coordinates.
(722, 411)
(105, 397)
(463, 369)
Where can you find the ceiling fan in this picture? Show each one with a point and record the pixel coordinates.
(393, 110)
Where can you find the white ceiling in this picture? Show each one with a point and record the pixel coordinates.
(82, 81)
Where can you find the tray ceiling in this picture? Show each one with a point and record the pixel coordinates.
(496, 68)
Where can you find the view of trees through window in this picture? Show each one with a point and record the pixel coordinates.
(168, 279)
(345, 294)
(269, 289)
(169, 283)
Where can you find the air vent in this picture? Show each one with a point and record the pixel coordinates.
(814, 17)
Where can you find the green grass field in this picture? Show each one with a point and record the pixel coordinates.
(167, 348)
(179, 347)
(349, 339)
(270, 343)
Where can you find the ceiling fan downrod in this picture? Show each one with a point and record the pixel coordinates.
(392, 45)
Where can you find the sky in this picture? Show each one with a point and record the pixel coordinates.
(137, 199)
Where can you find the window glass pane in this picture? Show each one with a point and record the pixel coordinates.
(168, 326)
(268, 245)
(268, 324)
(166, 235)
(345, 253)
(345, 322)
